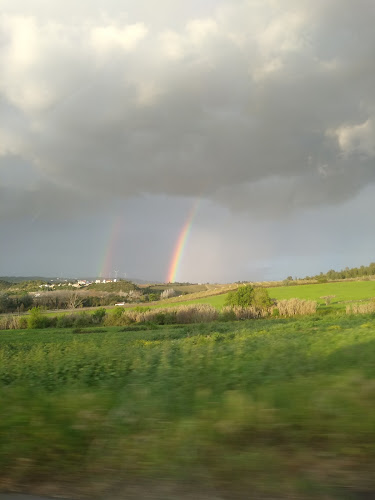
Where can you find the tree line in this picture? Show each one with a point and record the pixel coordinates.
(354, 272)
(70, 299)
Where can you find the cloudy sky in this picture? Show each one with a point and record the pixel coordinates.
(117, 117)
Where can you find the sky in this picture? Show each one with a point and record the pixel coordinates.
(119, 118)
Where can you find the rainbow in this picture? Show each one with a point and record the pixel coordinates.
(181, 244)
(107, 262)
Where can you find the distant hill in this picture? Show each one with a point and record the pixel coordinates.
(139, 281)
(4, 285)
(20, 279)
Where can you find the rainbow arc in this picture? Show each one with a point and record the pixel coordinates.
(181, 244)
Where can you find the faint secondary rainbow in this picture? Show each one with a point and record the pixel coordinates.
(181, 244)
(107, 262)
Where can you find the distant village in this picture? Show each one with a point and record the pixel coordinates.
(76, 284)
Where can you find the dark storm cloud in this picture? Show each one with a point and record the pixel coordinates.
(245, 103)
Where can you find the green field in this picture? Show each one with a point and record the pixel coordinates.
(344, 292)
(281, 408)
(214, 300)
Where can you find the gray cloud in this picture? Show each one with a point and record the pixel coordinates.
(244, 104)
(265, 113)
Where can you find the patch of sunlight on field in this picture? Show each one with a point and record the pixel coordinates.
(215, 301)
(343, 291)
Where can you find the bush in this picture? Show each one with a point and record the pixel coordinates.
(98, 316)
(275, 312)
(65, 321)
(168, 293)
(83, 319)
(36, 319)
(141, 309)
(227, 314)
(153, 297)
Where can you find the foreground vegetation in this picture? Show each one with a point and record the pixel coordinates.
(279, 407)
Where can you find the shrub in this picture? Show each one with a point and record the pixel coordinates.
(22, 322)
(275, 312)
(98, 316)
(114, 316)
(83, 319)
(36, 319)
(65, 321)
(141, 309)
(166, 294)
(227, 314)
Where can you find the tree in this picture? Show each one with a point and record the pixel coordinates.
(261, 299)
(167, 293)
(24, 302)
(242, 297)
(135, 296)
(74, 300)
(246, 296)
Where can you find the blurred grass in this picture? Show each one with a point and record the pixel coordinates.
(282, 408)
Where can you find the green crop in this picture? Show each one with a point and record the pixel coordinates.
(279, 407)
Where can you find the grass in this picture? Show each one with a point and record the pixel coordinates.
(213, 300)
(282, 408)
(344, 291)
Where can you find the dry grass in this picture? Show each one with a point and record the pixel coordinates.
(366, 308)
(296, 307)
(196, 313)
(217, 290)
(12, 322)
(249, 312)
